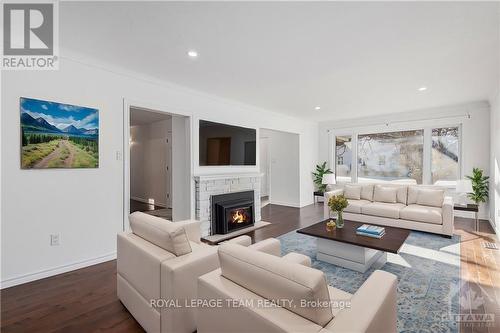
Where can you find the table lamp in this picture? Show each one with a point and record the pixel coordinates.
(328, 179)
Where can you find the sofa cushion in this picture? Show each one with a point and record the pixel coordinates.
(429, 197)
(276, 279)
(422, 214)
(355, 206)
(383, 209)
(160, 232)
(352, 191)
(414, 190)
(367, 192)
(385, 194)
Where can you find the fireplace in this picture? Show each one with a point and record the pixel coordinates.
(232, 211)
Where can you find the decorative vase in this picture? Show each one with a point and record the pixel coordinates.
(340, 220)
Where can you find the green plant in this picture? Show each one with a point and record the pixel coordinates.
(480, 186)
(321, 170)
(337, 203)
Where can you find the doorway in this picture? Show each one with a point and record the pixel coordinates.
(280, 167)
(150, 163)
(157, 164)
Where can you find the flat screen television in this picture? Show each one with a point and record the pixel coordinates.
(222, 144)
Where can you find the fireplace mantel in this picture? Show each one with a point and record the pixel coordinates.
(206, 177)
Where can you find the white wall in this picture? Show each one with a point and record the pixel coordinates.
(85, 206)
(181, 170)
(475, 131)
(284, 153)
(148, 160)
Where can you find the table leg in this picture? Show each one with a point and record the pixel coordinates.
(477, 221)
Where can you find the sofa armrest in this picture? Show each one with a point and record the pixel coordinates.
(179, 283)
(193, 229)
(269, 246)
(448, 215)
(326, 209)
(373, 307)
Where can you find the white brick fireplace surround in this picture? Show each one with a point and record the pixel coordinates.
(208, 185)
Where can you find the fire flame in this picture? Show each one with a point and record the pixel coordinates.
(238, 217)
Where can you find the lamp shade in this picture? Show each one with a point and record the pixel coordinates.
(328, 179)
(464, 186)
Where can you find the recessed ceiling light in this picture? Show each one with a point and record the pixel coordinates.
(422, 89)
(317, 108)
(192, 54)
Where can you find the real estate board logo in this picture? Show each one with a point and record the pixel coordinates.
(30, 36)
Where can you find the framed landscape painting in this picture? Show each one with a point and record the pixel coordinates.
(55, 135)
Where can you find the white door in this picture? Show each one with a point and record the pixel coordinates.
(265, 168)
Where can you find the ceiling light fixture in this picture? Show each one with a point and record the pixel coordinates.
(192, 54)
(422, 89)
(317, 108)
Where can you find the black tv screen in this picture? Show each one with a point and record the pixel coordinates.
(222, 144)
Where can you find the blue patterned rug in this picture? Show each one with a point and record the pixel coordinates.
(428, 271)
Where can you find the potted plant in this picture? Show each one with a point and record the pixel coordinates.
(480, 186)
(338, 203)
(321, 170)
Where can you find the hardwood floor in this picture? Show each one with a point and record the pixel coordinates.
(85, 300)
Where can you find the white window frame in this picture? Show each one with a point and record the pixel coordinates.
(426, 126)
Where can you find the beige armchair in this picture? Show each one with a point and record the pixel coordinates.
(258, 292)
(158, 265)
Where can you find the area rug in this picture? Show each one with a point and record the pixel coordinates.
(428, 271)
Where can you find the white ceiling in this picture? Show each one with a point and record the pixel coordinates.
(143, 117)
(352, 59)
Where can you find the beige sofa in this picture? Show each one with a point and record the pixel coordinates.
(415, 207)
(258, 292)
(160, 261)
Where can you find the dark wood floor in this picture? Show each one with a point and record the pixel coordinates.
(139, 206)
(85, 300)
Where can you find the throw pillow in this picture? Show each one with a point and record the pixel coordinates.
(430, 197)
(385, 194)
(160, 232)
(352, 192)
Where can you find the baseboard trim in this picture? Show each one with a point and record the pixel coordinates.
(282, 203)
(55, 271)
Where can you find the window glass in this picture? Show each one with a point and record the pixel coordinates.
(343, 158)
(445, 152)
(391, 156)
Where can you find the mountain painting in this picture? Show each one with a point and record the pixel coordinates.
(55, 135)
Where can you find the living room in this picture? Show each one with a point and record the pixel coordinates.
(395, 106)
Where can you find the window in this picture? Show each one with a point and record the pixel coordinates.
(445, 152)
(391, 156)
(343, 158)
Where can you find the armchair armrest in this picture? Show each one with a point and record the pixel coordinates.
(193, 229)
(269, 246)
(448, 215)
(326, 209)
(179, 283)
(241, 240)
(373, 307)
(298, 258)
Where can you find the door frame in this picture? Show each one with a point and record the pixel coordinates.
(124, 155)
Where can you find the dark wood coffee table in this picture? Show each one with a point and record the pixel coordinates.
(344, 248)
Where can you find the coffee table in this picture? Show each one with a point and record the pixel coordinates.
(342, 247)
